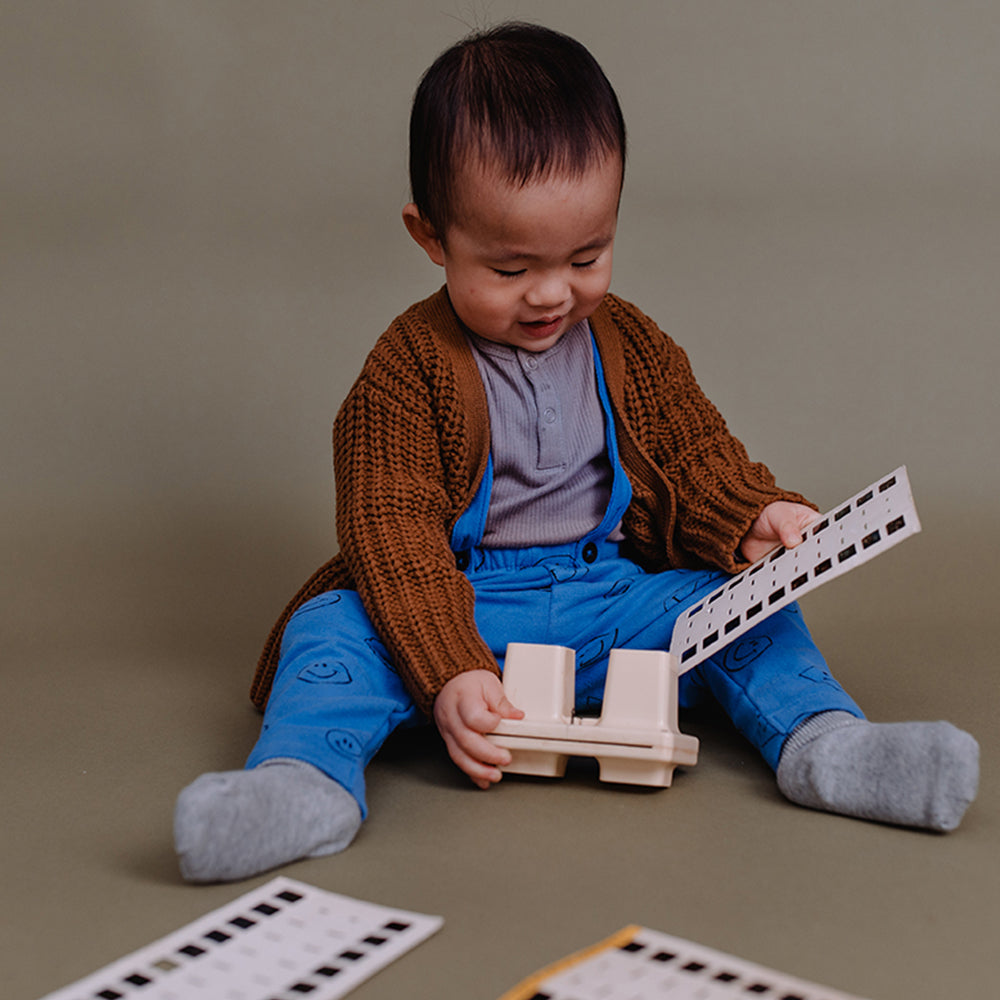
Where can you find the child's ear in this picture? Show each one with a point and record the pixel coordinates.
(423, 233)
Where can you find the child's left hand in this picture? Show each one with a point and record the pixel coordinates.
(779, 523)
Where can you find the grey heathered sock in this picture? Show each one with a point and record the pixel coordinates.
(233, 824)
(921, 774)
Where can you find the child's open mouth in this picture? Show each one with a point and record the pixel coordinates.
(542, 328)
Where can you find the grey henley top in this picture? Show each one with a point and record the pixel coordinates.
(551, 473)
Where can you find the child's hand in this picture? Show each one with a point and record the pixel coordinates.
(779, 523)
(466, 707)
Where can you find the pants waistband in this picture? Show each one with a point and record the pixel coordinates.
(582, 553)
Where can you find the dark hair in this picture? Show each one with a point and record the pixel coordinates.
(527, 100)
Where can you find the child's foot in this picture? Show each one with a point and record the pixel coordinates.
(234, 824)
(921, 774)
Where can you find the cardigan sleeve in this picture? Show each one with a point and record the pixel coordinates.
(394, 440)
(720, 491)
(715, 489)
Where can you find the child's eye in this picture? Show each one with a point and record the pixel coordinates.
(508, 274)
(585, 263)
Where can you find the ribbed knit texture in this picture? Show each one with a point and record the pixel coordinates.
(410, 446)
(551, 474)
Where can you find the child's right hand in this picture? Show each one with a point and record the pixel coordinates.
(466, 707)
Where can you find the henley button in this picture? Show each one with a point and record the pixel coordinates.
(589, 552)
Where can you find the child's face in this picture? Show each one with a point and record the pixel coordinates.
(524, 264)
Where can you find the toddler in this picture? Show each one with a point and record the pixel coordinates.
(527, 457)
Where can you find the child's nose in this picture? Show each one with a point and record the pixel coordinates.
(549, 291)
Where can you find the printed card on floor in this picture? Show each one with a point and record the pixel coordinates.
(642, 964)
(283, 941)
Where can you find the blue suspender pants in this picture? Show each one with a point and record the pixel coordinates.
(336, 696)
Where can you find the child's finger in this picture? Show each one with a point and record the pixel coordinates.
(482, 715)
(792, 528)
(479, 762)
(477, 717)
(480, 774)
(507, 709)
(791, 535)
(482, 750)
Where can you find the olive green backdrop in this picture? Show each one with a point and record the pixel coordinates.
(199, 242)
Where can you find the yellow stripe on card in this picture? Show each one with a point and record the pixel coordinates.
(529, 987)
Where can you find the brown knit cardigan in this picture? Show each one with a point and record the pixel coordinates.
(410, 445)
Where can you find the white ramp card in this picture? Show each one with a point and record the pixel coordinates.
(283, 941)
(851, 534)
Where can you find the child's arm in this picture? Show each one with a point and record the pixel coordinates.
(466, 707)
(779, 523)
(672, 432)
(408, 441)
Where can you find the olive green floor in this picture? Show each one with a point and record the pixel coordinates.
(109, 713)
